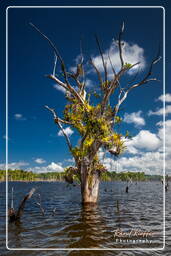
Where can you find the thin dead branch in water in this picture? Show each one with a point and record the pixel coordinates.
(54, 211)
(40, 205)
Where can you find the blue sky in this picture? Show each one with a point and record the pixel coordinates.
(34, 141)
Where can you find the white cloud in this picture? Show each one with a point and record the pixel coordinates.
(59, 88)
(55, 167)
(73, 69)
(160, 111)
(132, 53)
(149, 162)
(134, 118)
(70, 160)
(167, 125)
(167, 97)
(101, 154)
(89, 83)
(143, 140)
(14, 165)
(77, 61)
(40, 161)
(67, 130)
(19, 117)
(131, 147)
(52, 167)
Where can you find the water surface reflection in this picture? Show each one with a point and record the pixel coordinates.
(89, 226)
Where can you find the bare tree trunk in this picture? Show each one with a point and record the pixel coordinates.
(89, 185)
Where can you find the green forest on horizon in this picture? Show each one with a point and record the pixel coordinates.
(21, 175)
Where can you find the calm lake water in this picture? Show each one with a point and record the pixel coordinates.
(67, 224)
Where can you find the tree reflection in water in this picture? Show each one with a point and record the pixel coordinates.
(90, 230)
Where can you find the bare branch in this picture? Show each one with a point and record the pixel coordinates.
(143, 81)
(57, 118)
(58, 81)
(120, 45)
(79, 72)
(75, 78)
(133, 65)
(81, 52)
(54, 68)
(115, 82)
(114, 72)
(155, 61)
(116, 108)
(152, 79)
(97, 71)
(67, 87)
(56, 52)
(134, 78)
(50, 42)
(101, 54)
(58, 121)
(113, 86)
(82, 60)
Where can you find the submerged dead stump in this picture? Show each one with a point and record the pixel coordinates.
(15, 215)
(126, 190)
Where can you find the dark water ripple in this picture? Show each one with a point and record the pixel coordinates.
(74, 226)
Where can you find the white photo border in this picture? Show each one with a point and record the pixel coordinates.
(164, 165)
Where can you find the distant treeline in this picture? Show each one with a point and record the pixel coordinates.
(21, 175)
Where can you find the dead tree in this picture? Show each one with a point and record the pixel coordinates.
(95, 124)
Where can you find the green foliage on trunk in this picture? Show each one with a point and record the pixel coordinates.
(94, 127)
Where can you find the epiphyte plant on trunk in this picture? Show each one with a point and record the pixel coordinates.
(96, 124)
